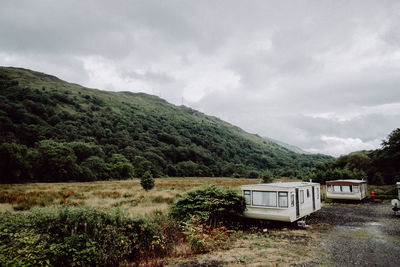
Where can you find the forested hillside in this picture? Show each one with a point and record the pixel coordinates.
(54, 130)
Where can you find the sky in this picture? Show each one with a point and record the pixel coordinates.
(320, 75)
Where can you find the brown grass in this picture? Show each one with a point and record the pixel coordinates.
(127, 195)
(258, 249)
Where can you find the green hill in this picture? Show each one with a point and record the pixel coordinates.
(147, 130)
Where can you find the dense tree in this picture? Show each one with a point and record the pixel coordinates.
(14, 163)
(84, 150)
(121, 167)
(94, 168)
(387, 159)
(141, 165)
(56, 161)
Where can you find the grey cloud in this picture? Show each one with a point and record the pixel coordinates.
(276, 61)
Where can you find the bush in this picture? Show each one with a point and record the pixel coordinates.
(211, 205)
(203, 238)
(76, 237)
(267, 176)
(254, 174)
(147, 181)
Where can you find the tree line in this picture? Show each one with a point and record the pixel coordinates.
(51, 161)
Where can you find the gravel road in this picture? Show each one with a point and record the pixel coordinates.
(364, 234)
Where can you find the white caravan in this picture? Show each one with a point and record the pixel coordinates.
(396, 202)
(285, 202)
(398, 189)
(346, 189)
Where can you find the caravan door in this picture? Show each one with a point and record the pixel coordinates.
(297, 204)
(313, 198)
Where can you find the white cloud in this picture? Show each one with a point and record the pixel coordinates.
(351, 112)
(339, 146)
(103, 74)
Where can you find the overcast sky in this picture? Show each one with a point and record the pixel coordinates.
(321, 75)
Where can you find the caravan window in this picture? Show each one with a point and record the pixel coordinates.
(247, 196)
(356, 189)
(336, 188)
(292, 199)
(346, 188)
(308, 193)
(264, 199)
(283, 199)
(301, 196)
(317, 193)
(329, 188)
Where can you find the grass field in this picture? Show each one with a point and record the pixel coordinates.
(126, 195)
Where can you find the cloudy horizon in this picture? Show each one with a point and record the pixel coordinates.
(320, 75)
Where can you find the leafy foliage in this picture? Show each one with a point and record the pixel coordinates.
(149, 132)
(52, 161)
(147, 181)
(14, 165)
(204, 238)
(267, 176)
(77, 237)
(210, 204)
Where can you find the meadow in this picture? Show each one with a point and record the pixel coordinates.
(126, 195)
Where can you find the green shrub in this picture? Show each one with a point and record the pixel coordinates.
(210, 204)
(147, 181)
(76, 237)
(204, 238)
(385, 193)
(254, 174)
(267, 176)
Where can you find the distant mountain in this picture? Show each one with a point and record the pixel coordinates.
(174, 140)
(288, 146)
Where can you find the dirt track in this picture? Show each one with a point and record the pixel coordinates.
(366, 234)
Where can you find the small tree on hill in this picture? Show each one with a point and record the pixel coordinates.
(253, 174)
(267, 176)
(147, 181)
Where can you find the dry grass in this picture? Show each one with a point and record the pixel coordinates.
(127, 195)
(277, 248)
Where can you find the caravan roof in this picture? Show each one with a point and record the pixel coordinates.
(280, 185)
(349, 181)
